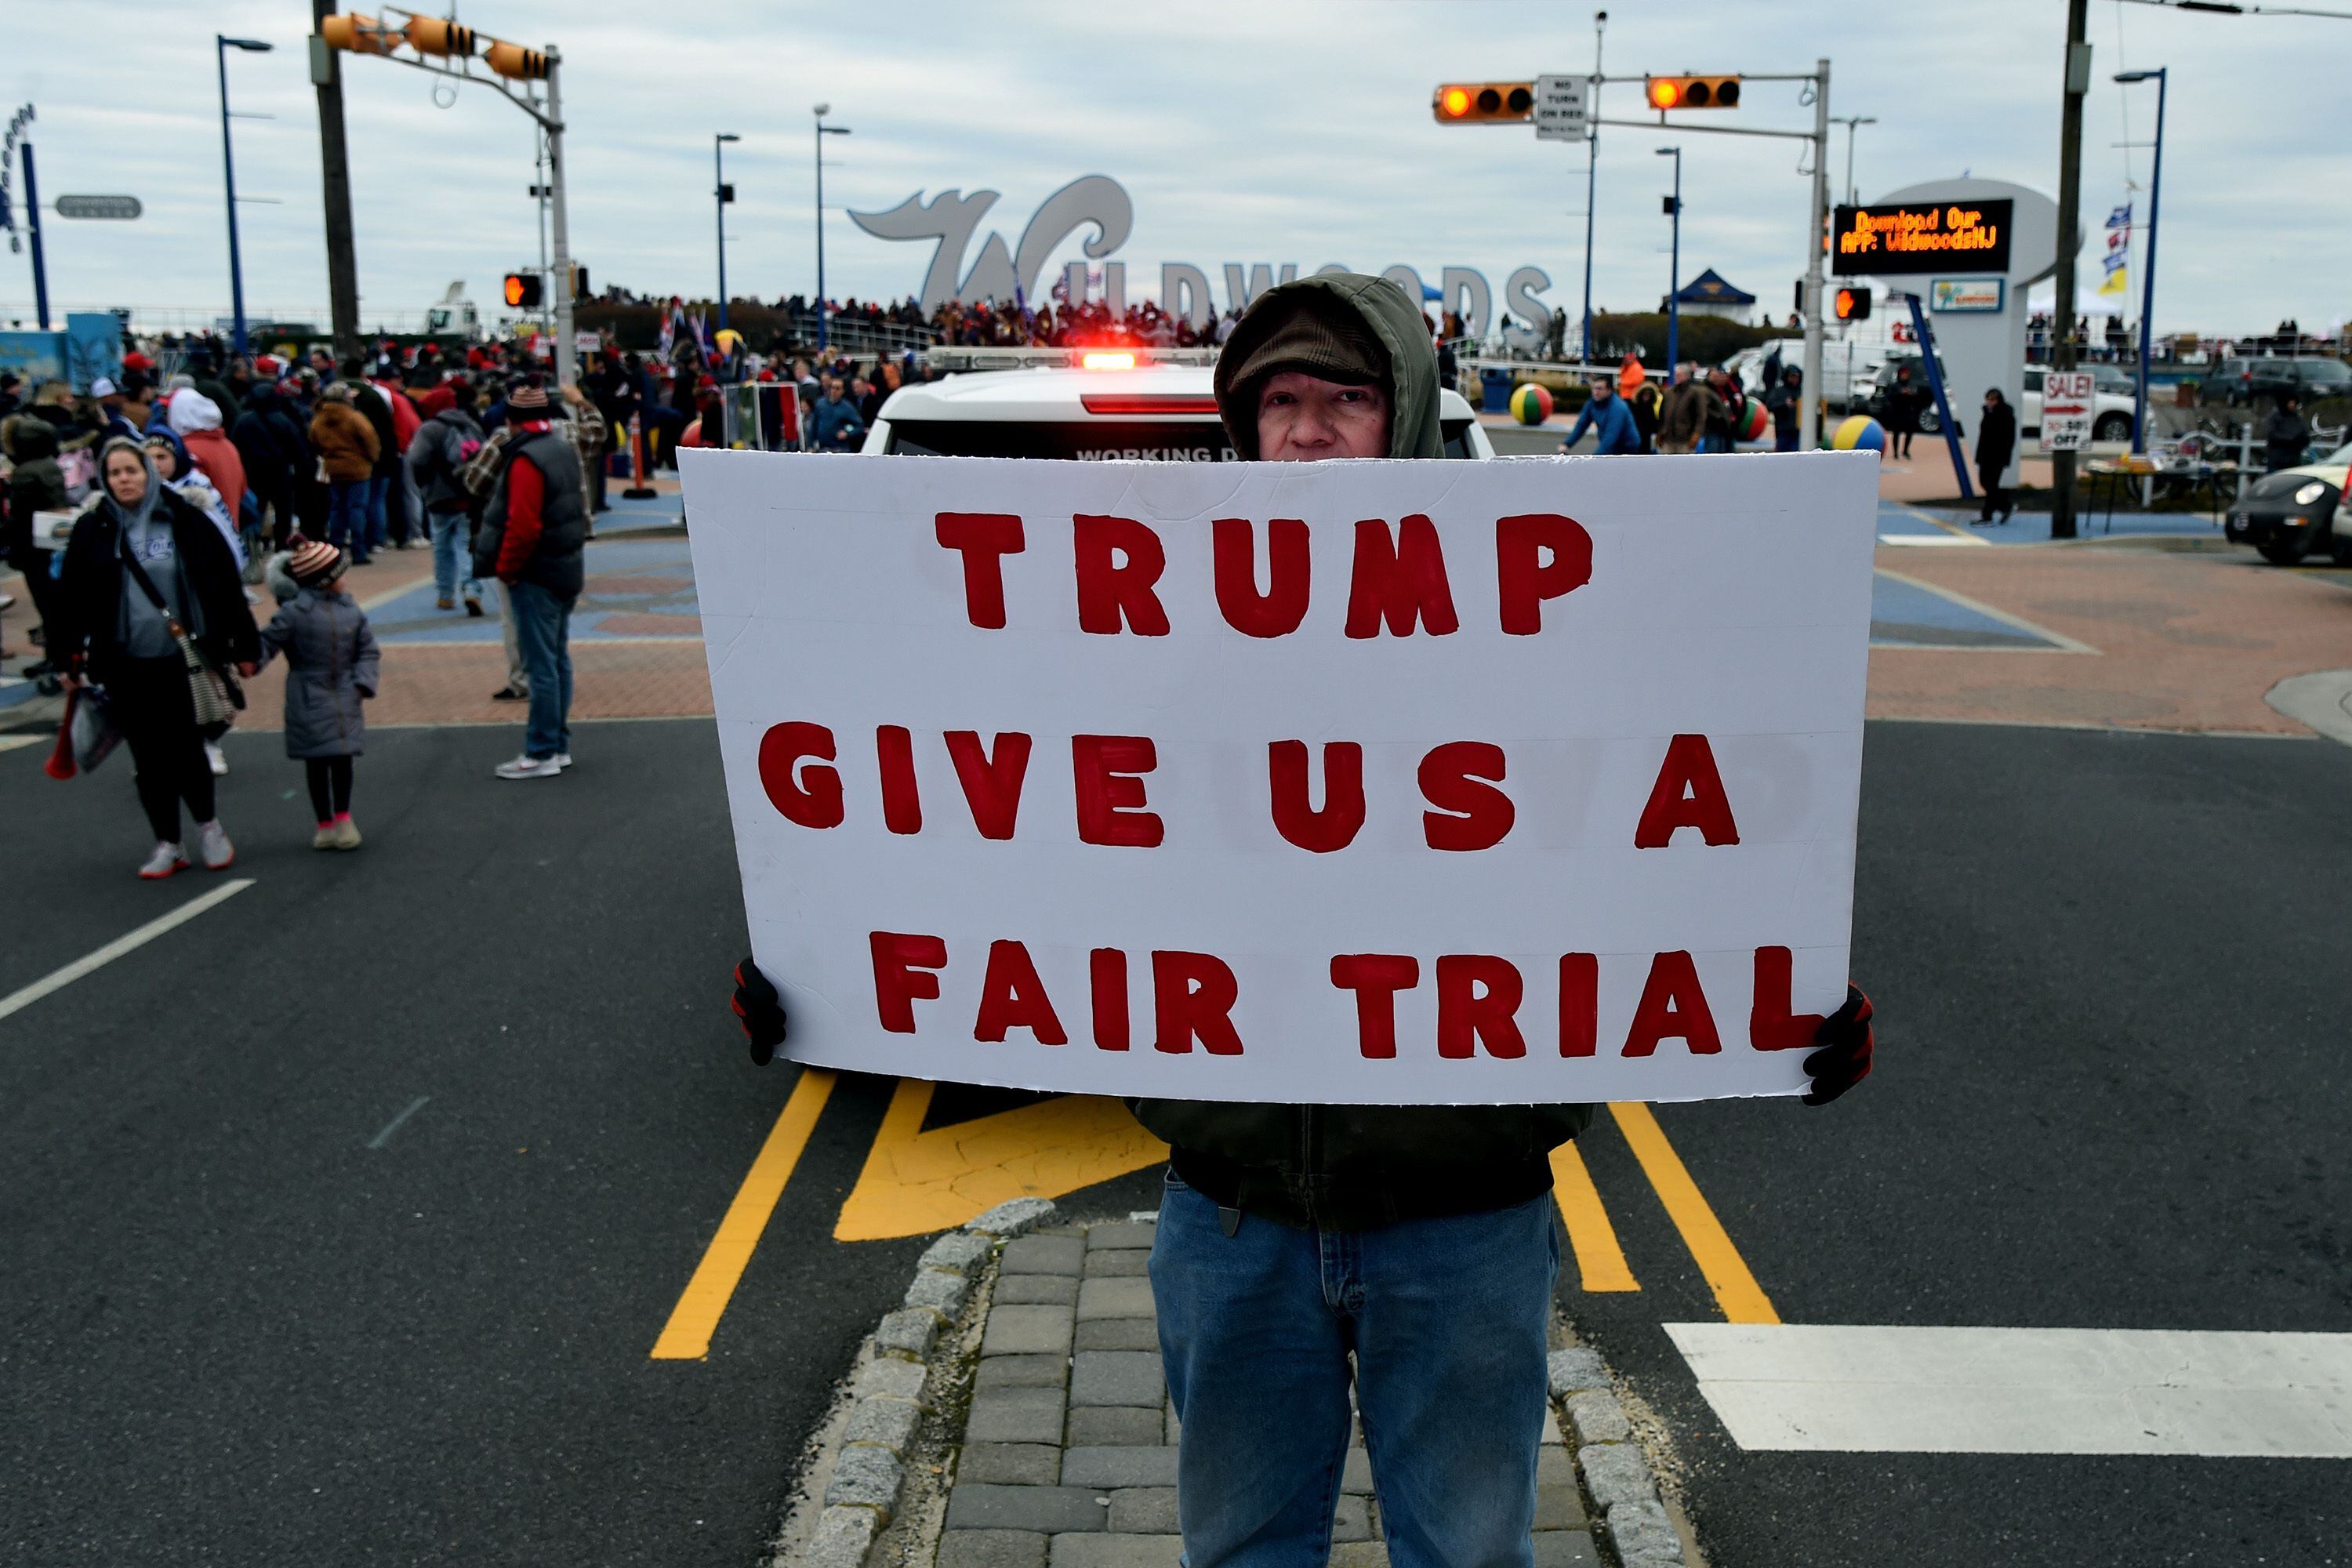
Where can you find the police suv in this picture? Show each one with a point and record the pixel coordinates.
(1146, 403)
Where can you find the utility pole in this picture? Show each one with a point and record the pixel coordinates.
(1851, 123)
(335, 177)
(1591, 178)
(1674, 267)
(33, 230)
(1809, 427)
(2077, 83)
(566, 372)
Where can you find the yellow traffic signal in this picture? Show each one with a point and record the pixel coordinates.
(361, 35)
(1694, 92)
(514, 60)
(1483, 103)
(1851, 305)
(523, 291)
(434, 35)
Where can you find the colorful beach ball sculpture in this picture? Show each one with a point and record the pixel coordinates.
(1859, 433)
(1753, 421)
(1531, 404)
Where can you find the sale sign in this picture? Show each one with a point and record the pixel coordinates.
(1367, 782)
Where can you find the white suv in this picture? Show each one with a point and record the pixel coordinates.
(1081, 403)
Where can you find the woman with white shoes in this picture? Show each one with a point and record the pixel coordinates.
(149, 605)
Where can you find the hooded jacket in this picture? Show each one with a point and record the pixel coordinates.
(346, 442)
(36, 484)
(197, 421)
(1352, 1167)
(86, 626)
(1394, 322)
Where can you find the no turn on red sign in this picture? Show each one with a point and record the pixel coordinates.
(2066, 406)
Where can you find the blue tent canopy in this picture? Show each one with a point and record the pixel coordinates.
(1710, 288)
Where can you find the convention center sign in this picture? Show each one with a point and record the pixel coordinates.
(1372, 782)
(1891, 239)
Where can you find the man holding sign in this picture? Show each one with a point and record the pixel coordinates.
(1618, 753)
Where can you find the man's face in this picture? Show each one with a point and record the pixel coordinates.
(1302, 418)
(1602, 391)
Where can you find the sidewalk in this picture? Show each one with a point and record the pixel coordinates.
(1048, 1441)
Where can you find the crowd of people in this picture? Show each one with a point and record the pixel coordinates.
(189, 490)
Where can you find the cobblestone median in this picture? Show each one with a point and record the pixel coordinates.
(1070, 1452)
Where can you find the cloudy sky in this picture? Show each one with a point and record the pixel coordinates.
(1298, 133)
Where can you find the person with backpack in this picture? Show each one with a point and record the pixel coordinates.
(438, 456)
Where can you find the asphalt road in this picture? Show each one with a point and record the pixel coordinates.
(2111, 1082)
(2111, 1092)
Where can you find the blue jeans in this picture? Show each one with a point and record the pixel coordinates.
(544, 628)
(1447, 1320)
(453, 555)
(378, 491)
(347, 516)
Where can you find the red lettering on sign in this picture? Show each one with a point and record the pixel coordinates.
(1120, 559)
(1376, 978)
(811, 796)
(1453, 779)
(903, 974)
(1477, 994)
(902, 806)
(992, 786)
(1688, 794)
(1012, 996)
(986, 539)
(1580, 1002)
(1526, 577)
(1771, 1025)
(1336, 825)
(1193, 997)
(1111, 795)
(1106, 979)
(1289, 571)
(1673, 1006)
(1400, 579)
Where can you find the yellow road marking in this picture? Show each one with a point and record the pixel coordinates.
(1599, 1261)
(1736, 1290)
(915, 1181)
(695, 1317)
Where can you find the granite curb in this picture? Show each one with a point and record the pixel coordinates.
(1619, 1485)
(864, 1464)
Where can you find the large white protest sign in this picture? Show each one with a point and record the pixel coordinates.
(1511, 782)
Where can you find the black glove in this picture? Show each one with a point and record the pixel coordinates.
(761, 1011)
(1845, 1041)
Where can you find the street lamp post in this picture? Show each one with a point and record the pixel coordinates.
(823, 131)
(719, 171)
(1674, 267)
(1852, 121)
(221, 46)
(2148, 262)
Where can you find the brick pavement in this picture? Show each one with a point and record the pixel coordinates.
(1069, 1449)
(2185, 640)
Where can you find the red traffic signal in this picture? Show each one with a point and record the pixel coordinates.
(1851, 305)
(523, 291)
(1667, 93)
(1483, 103)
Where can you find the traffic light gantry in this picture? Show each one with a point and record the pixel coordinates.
(447, 48)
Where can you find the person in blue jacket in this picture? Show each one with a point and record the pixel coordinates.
(1606, 413)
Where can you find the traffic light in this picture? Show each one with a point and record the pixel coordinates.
(1483, 103)
(514, 60)
(361, 35)
(523, 291)
(434, 36)
(1851, 305)
(1694, 92)
(580, 281)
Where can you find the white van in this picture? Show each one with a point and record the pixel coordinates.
(1840, 361)
(1090, 404)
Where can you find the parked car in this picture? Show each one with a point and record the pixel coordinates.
(2244, 382)
(2291, 514)
(1104, 404)
(1871, 384)
(1842, 364)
